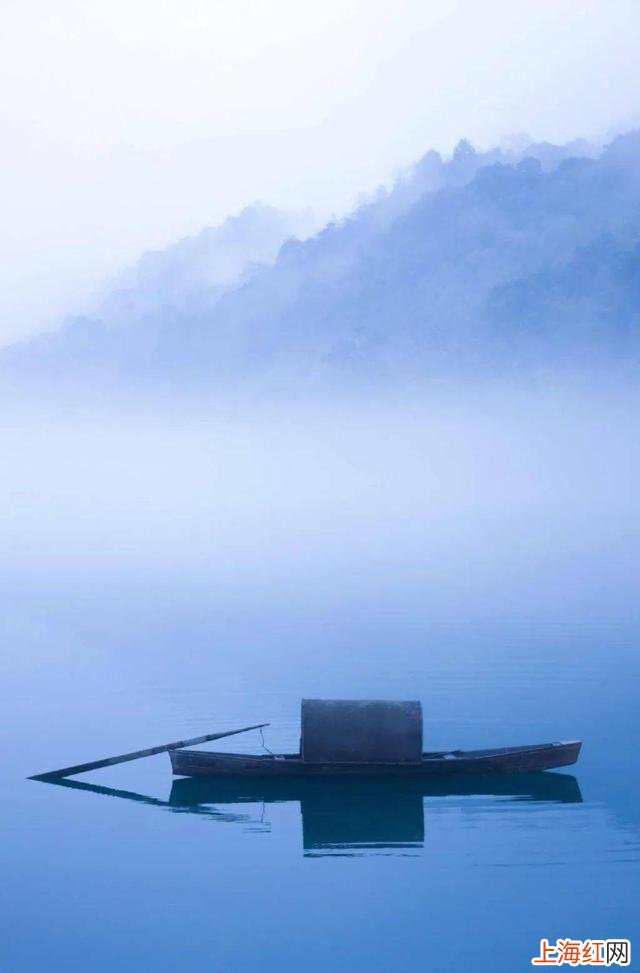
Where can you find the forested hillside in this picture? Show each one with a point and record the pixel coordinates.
(482, 258)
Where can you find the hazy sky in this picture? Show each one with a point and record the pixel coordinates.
(129, 123)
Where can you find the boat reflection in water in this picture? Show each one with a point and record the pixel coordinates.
(342, 816)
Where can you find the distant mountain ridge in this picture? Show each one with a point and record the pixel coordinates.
(201, 267)
(485, 255)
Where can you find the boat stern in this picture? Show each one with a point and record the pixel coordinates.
(567, 752)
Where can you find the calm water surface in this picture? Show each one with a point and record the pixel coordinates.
(518, 636)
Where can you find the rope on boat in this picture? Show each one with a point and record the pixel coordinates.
(264, 744)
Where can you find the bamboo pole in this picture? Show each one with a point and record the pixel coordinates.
(137, 754)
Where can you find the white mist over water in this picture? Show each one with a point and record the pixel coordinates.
(485, 499)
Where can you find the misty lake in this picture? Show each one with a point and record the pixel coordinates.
(165, 577)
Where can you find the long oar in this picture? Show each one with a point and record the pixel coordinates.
(136, 754)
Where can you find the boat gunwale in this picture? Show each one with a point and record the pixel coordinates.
(427, 756)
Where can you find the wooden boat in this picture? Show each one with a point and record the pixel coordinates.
(354, 739)
(370, 738)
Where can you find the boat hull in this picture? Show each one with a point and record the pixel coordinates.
(505, 760)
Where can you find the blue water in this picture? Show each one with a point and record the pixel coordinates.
(528, 632)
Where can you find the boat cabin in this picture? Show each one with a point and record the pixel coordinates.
(361, 731)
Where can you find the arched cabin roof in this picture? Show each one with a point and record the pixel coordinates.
(361, 731)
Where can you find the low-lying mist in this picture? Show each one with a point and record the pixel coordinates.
(478, 499)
